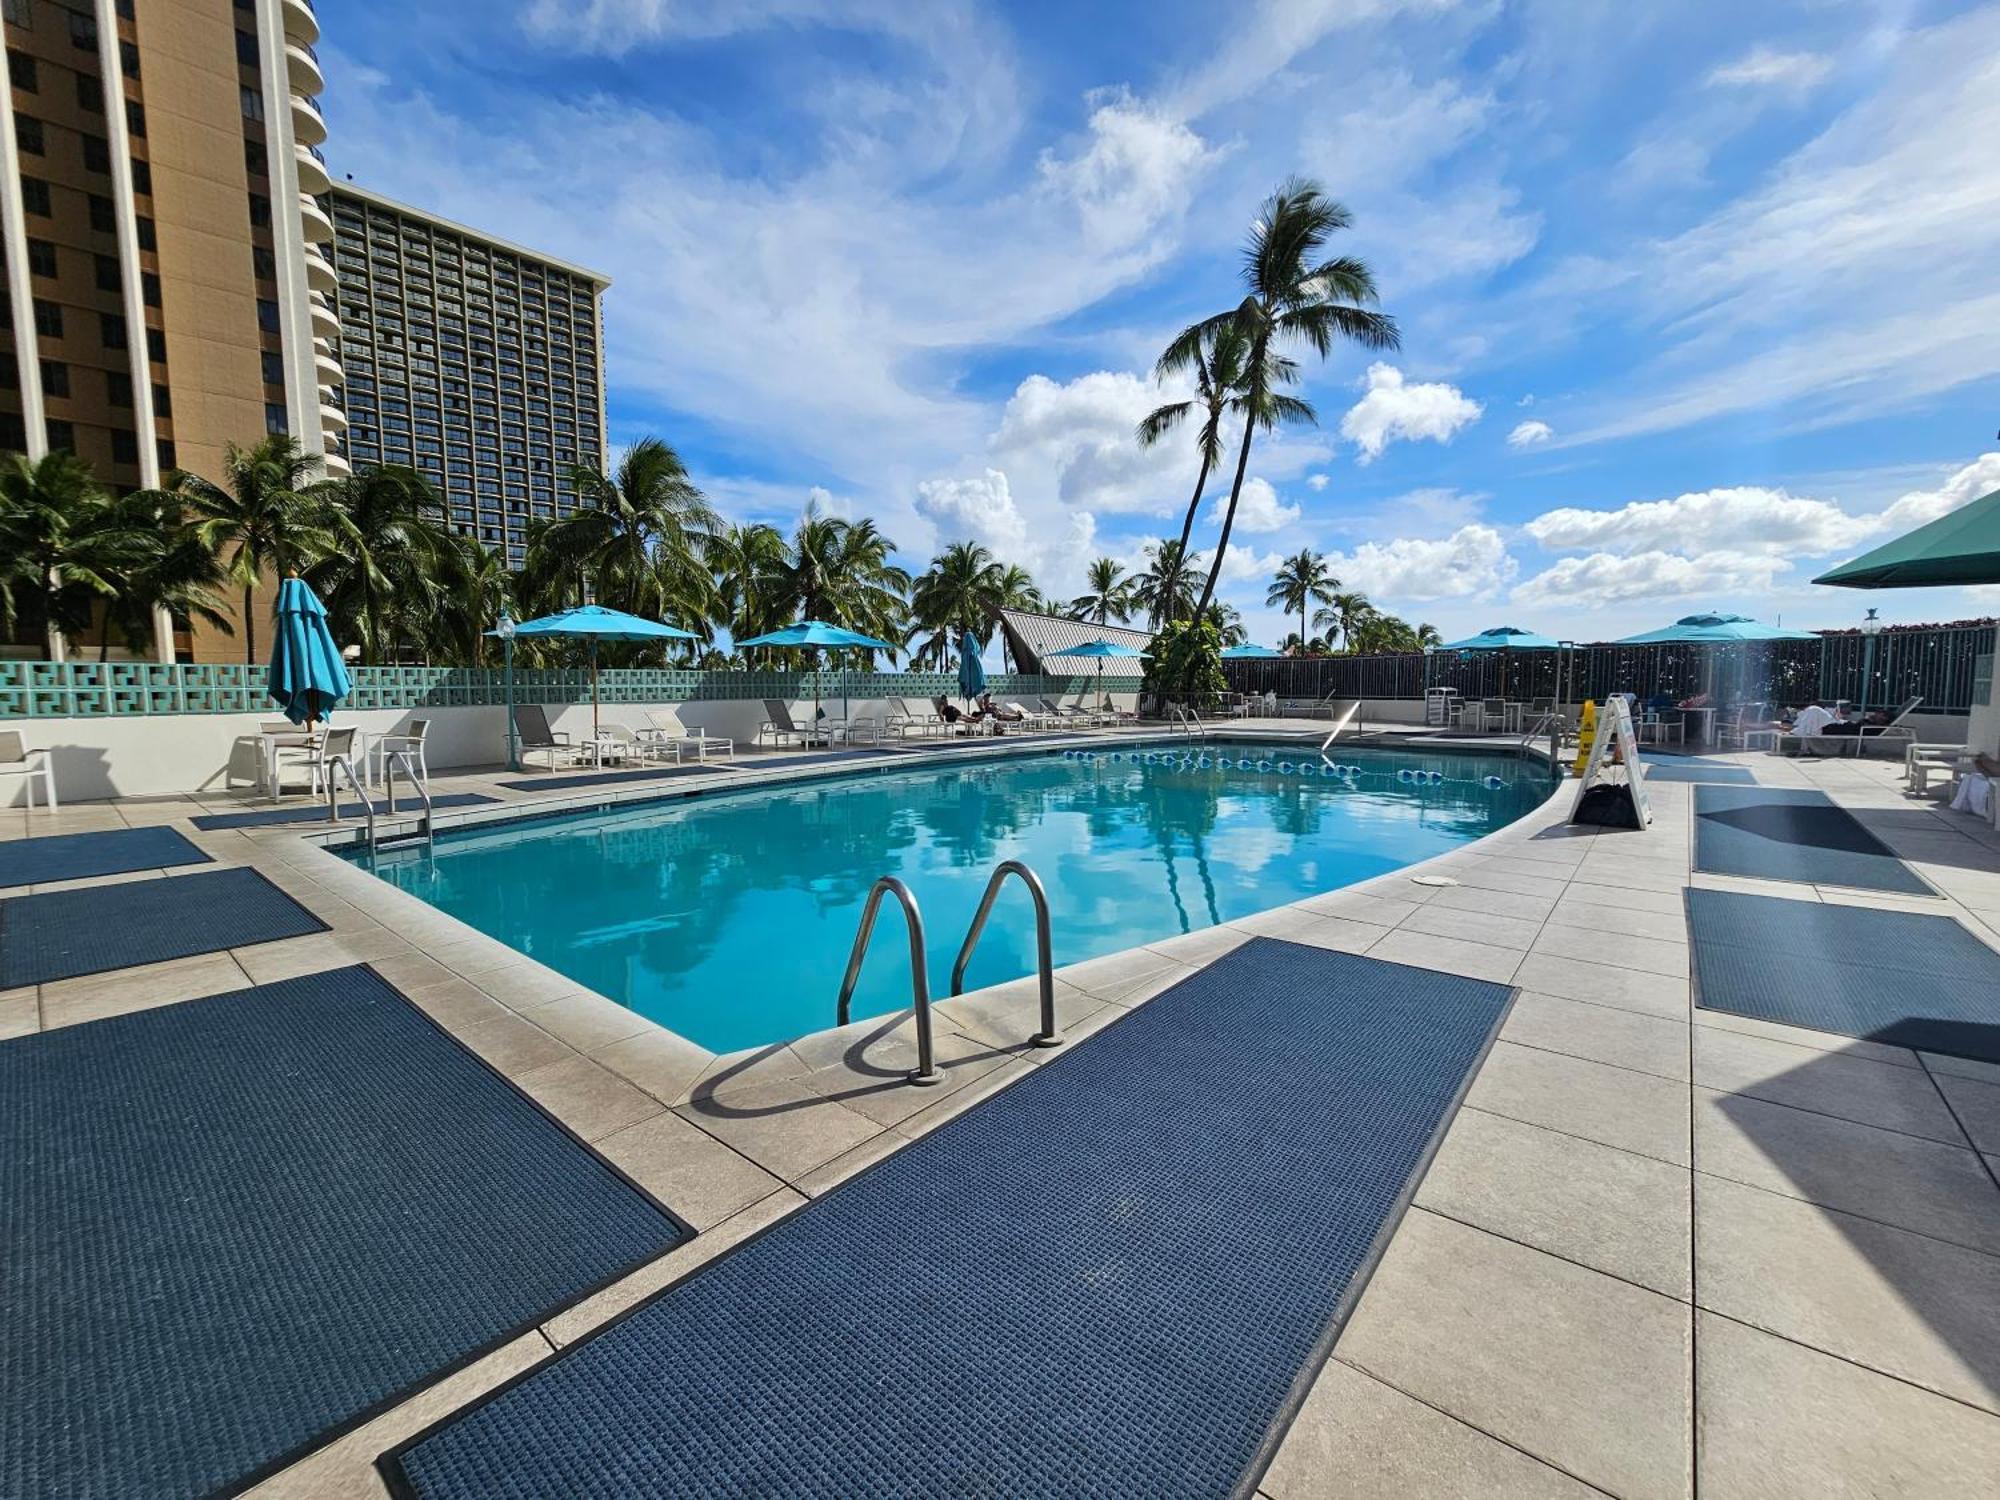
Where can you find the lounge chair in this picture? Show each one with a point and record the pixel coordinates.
(908, 716)
(1894, 729)
(16, 759)
(779, 729)
(1013, 711)
(669, 733)
(532, 736)
(1073, 715)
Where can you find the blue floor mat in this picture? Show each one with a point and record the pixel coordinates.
(236, 1226)
(61, 934)
(1693, 770)
(77, 856)
(1899, 977)
(1113, 1279)
(1777, 833)
(315, 812)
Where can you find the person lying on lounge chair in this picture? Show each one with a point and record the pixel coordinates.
(1008, 713)
(1811, 720)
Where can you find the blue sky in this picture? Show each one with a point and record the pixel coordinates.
(1696, 298)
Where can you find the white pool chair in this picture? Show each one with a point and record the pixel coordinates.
(16, 759)
(667, 732)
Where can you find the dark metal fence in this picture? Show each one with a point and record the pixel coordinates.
(1934, 663)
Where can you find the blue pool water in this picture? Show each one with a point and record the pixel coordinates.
(728, 918)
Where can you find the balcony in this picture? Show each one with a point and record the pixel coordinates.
(302, 67)
(331, 418)
(336, 466)
(317, 226)
(300, 22)
(326, 366)
(319, 275)
(313, 176)
(308, 124)
(325, 323)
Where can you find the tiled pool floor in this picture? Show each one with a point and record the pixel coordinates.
(1659, 1248)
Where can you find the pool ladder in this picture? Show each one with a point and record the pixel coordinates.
(925, 1072)
(393, 759)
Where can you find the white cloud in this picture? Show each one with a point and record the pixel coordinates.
(1394, 409)
(1471, 562)
(1764, 67)
(981, 508)
(1136, 170)
(1258, 510)
(1316, 482)
(1604, 578)
(1527, 434)
(1918, 507)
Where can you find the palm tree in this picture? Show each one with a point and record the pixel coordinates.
(1167, 586)
(177, 572)
(268, 514)
(381, 580)
(64, 543)
(1343, 614)
(838, 571)
(1300, 582)
(1228, 622)
(1294, 297)
(478, 584)
(626, 526)
(1215, 355)
(956, 596)
(1107, 595)
(743, 560)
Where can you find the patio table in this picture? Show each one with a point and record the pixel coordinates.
(1704, 730)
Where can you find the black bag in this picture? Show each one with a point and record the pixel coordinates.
(1607, 805)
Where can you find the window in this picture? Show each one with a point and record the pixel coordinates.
(117, 389)
(13, 431)
(41, 257)
(246, 49)
(111, 330)
(156, 346)
(149, 288)
(167, 455)
(145, 233)
(124, 446)
(128, 59)
(107, 273)
(253, 104)
(103, 217)
(256, 158)
(264, 262)
(28, 132)
(55, 378)
(96, 153)
(260, 211)
(48, 319)
(163, 401)
(21, 13)
(35, 196)
(274, 368)
(90, 93)
(62, 437)
(21, 69)
(275, 419)
(135, 117)
(142, 176)
(267, 315)
(82, 32)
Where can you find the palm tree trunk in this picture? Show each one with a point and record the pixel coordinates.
(1235, 491)
(249, 626)
(1187, 521)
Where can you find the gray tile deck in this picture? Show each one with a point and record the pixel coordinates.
(1648, 1222)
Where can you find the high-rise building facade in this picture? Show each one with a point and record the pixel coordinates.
(476, 362)
(167, 290)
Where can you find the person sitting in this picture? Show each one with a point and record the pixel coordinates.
(1006, 714)
(1976, 787)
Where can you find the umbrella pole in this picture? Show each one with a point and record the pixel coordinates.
(593, 689)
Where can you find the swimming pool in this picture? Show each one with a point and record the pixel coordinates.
(727, 918)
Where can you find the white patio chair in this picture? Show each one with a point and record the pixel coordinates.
(16, 759)
(668, 731)
(410, 743)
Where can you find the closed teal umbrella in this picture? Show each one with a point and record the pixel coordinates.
(307, 676)
(817, 633)
(971, 670)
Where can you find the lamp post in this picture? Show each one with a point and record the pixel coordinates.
(505, 630)
(1870, 628)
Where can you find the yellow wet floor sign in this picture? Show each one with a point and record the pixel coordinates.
(1586, 731)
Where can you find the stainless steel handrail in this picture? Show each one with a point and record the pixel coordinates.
(342, 763)
(1190, 721)
(920, 985)
(1048, 1036)
(392, 759)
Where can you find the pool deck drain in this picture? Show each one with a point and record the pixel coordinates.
(1647, 1220)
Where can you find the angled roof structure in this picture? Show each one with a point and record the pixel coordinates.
(1031, 637)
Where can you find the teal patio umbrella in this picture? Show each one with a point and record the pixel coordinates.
(971, 670)
(814, 634)
(1695, 630)
(1960, 548)
(594, 623)
(1502, 638)
(1247, 653)
(1101, 650)
(307, 676)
